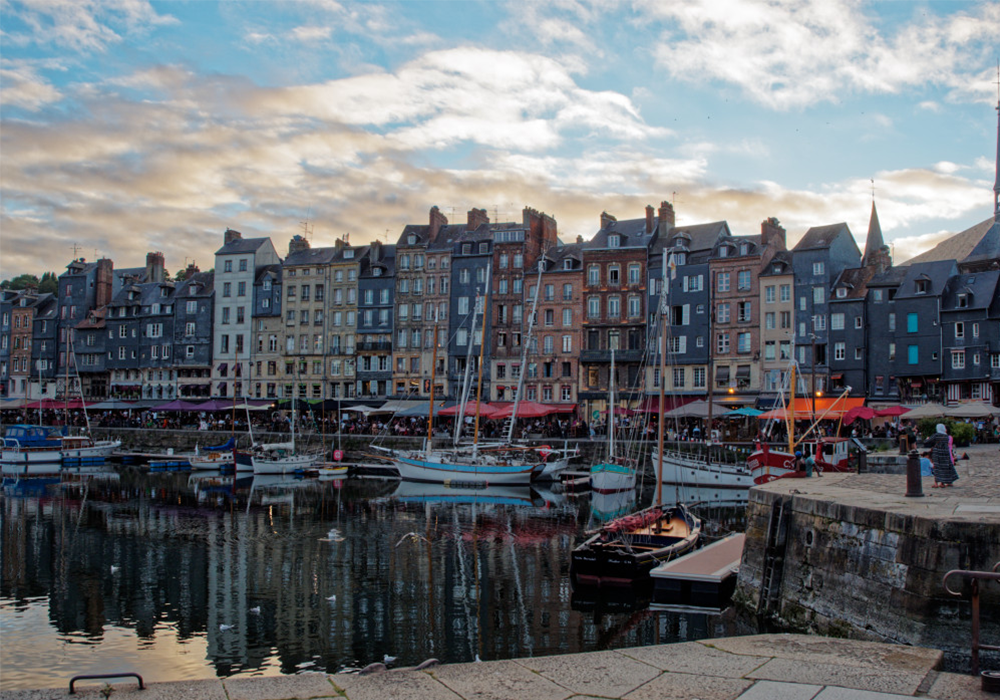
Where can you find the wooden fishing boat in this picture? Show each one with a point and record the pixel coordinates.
(627, 549)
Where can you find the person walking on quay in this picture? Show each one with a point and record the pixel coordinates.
(942, 457)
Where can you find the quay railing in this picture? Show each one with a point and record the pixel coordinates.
(974, 577)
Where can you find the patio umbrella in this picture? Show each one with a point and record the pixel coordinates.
(422, 410)
(178, 405)
(485, 410)
(927, 410)
(862, 412)
(696, 409)
(525, 409)
(971, 410)
(622, 411)
(896, 410)
(745, 411)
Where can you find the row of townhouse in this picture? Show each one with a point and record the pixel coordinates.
(377, 321)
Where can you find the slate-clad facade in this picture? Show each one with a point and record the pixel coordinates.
(969, 334)
(376, 292)
(193, 334)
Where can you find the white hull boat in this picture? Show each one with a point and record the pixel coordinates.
(683, 469)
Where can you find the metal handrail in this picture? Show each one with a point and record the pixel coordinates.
(975, 577)
(103, 676)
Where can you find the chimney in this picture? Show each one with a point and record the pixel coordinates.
(579, 238)
(191, 271)
(297, 244)
(437, 220)
(649, 220)
(155, 267)
(338, 244)
(103, 283)
(477, 217)
(666, 216)
(606, 219)
(772, 233)
(231, 236)
(376, 251)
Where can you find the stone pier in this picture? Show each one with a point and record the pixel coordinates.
(857, 558)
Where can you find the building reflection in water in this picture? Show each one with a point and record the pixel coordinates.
(279, 573)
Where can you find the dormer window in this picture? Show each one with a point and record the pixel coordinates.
(963, 301)
(411, 239)
(567, 264)
(348, 253)
(842, 292)
(724, 251)
(376, 272)
(267, 285)
(922, 286)
(466, 249)
(484, 248)
(614, 241)
(744, 249)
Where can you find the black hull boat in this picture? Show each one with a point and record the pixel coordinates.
(625, 550)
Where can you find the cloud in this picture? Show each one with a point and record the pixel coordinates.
(312, 33)
(796, 53)
(24, 88)
(81, 25)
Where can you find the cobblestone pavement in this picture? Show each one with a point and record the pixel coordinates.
(979, 478)
(761, 667)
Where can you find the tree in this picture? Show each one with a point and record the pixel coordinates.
(20, 282)
(49, 283)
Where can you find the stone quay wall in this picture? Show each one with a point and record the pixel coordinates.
(861, 560)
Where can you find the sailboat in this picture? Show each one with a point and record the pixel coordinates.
(83, 449)
(694, 465)
(613, 474)
(282, 457)
(462, 464)
(625, 550)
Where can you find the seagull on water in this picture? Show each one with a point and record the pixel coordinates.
(388, 660)
(411, 536)
(115, 569)
(333, 598)
(255, 611)
(225, 628)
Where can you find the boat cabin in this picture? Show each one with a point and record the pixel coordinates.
(828, 451)
(30, 436)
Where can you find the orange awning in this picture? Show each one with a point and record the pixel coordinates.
(833, 408)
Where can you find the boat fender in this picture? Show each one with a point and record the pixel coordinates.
(377, 667)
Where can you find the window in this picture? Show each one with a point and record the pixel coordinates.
(786, 319)
(614, 306)
(614, 275)
(567, 292)
(892, 322)
(518, 260)
(819, 322)
(634, 306)
(484, 248)
(567, 343)
(227, 266)
(818, 269)
(567, 317)
(241, 289)
(722, 315)
(743, 311)
(959, 330)
(836, 322)
(840, 351)
(504, 259)
(769, 295)
(785, 350)
(958, 359)
(785, 292)
(913, 354)
(699, 378)
(614, 241)
(463, 305)
(722, 344)
(679, 377)
(963, 301)
(227, 289)
(189, 329)
(819, 295)
(743, 280)
(593, 307)
(722, 282)
(770, 348)
(892, 352)
(502, 287)
(594, 275)
(743, 343)
(634, 273)
(550, 292)
(548, 345)
(922, 286)
(769, 321)
(858, 322)
(911, 323)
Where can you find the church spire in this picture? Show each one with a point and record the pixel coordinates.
(876, 251)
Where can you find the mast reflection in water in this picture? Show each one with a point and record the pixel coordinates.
(179, 576)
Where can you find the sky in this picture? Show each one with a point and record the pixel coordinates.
(129, 126)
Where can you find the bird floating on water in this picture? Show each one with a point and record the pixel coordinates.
(388, 660)
(255, 610)
(333, 598)
(225, 628)
(115, 569)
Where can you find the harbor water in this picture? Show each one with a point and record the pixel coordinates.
(180, 575)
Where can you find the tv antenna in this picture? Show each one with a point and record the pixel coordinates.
(76, 249)
(307, 229)
(873, 188)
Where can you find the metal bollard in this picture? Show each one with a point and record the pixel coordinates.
(914, 482)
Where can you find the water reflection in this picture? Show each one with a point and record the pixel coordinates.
(208, 574)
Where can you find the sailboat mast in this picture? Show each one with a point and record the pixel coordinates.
(525, 344)
(430, 410)
(790, 417)
(611, 410)
(663, 380)
(709, 387)
(482, 347)
(66, 387)
(463, 399)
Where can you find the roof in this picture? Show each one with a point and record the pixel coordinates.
(935, 273)
(956, 247)
(698, 237)
(93, 320)
(311, 257)
(242, 245)
(557, 254)
(780, 265)
(632, 231)
(979, 286)
(874, 243)
(205, 280)
(820, 237)
(136, 273)
(893, 277)
(855, 280)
